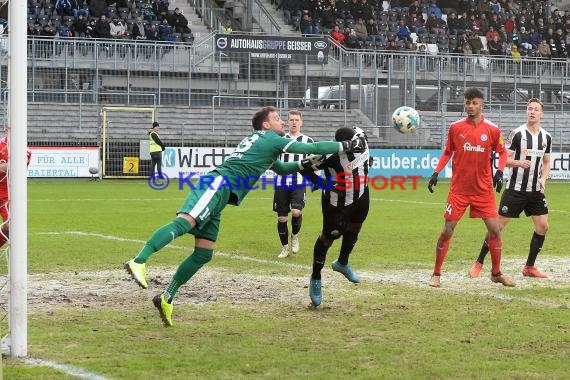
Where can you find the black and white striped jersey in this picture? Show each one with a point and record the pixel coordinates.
(293, 179)
(527, 146)
(347, 172)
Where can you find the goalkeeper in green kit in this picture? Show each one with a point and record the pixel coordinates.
(227, 184)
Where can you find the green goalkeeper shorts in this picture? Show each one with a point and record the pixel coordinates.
(205, 206)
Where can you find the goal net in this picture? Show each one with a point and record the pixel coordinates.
(124, 144)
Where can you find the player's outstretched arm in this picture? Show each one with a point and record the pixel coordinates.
(284, 168)
(328, 147)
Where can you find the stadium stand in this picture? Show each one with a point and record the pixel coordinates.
(183, 78)
(475, 17)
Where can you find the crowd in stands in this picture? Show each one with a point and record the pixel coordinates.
(468, 27)
(110, 19)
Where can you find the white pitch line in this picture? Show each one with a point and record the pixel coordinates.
(455, 281)
(68, 370)
(218, 253)
(67, 200)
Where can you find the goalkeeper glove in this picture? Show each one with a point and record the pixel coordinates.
(312, 162)
(498, 181)
(357, 145)
(432, 181)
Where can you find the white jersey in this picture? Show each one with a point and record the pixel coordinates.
(293, 179)
(527, 146)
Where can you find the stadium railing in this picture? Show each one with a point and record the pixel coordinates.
(125, 72)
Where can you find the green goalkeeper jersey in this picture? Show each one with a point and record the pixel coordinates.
(258, 152)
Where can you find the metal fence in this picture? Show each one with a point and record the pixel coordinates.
(134, 73)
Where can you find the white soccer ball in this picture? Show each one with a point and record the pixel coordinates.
(405, 119)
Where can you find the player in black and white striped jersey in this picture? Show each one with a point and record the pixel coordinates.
(529, 147)
(345, 203)
(289, 195)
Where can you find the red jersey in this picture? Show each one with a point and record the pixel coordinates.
(3, 175)
(3, 160)
(472, 147)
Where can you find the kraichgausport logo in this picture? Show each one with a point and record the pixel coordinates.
(341, 182)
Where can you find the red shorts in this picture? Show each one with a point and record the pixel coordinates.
(480, 206)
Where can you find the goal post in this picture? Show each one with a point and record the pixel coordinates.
(123, 140)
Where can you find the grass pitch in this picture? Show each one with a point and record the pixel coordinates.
(246, 314)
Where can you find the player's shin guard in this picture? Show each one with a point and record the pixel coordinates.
(161, 237)
(535, 247)
(296, 224)
(349, 239)
(283, 232)
(440, 251)
(496, 249)
(187, 269)
(319, 257)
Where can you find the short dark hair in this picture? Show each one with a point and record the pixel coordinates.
(473, 93)
(155, 124)
(261, 116)
(344, 133)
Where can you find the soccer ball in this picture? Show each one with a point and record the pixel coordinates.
(405, 119)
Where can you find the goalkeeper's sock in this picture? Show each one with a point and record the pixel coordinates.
(440, 252)
(319, 257)
(187, 269)
(162, 237)
(349, 239)
(296, 224)
(496, 249)
(535, 247)
(484, 250)
(283, 232)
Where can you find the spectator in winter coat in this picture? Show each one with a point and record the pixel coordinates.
(495, 46)
(79, 27)
(102, 28)
(179, 22)
(117, 29)
(337, 36)
(165, 31)
(63, 7)
(360, 30)
(139, 31)
(374, 33)
(433, 8)
(160, 9)
(403, 31)
(544, 49)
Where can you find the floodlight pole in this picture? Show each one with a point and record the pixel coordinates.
(18, 192)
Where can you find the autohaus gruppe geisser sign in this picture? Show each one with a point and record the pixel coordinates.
(285, 48)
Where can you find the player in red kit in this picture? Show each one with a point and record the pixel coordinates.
(470, 143)
(4, 201)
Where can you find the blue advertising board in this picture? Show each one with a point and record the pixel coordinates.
(406, 162)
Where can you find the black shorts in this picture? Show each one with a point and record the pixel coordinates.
(514, 202)
(335, 219)
(285, 200)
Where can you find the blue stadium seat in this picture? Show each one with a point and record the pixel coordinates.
(55, 20)
(68, 20)
(48, 9)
